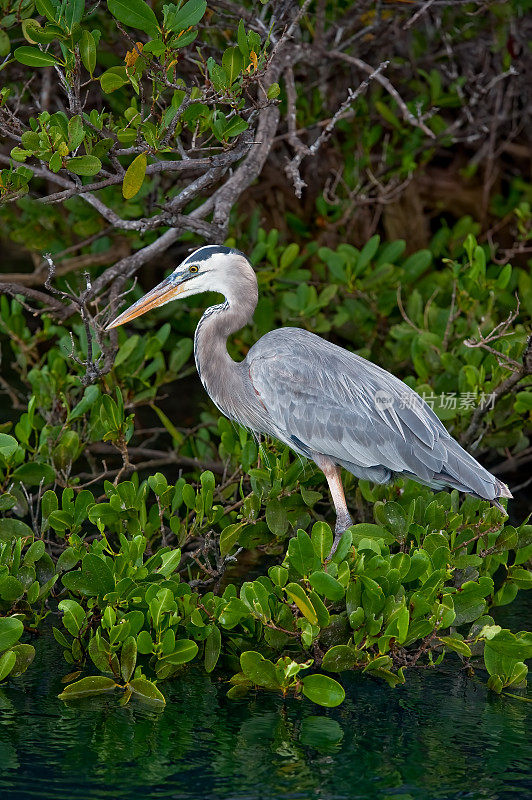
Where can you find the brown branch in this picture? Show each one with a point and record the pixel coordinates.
(386, 84)
(162, 456)
(50, 303)
(292, 167)
(221, 160)
(503, 388)
(92, 366)
(86, 261)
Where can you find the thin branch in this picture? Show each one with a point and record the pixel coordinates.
(386, 84)
(170, 456)
(92, 366)
(503, 388)
(292, 167)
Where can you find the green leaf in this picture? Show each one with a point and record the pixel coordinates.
(456, 644)
(8, 446)
(185, 650)
(73, 616)
(11, 589)
(134, 177)
(7, 662)
(229, 537)
(147, 690)
(90, 395)
(34, 552)
(74, 12)
(84, 165)
(279, 575)
(259, 670)
(301, 553)
(32, 473)
(322, 540)
(34, 33)
(144, 643)
(344, 546)
(135, 14)
(170, 563)
(367, 253)
(111, 415)
(326, 585)
(14, 529)
(218, 75)
(323, 690)
(276, 518)
(416, 264)
(242, 40)
(469, 601)
(273, 91)
(56, 162)
(387, 114)
(87, 49)
(66, 450)
(128, 658)
(11, 630)
(48, 9)
(296, 593)
(7, 501)
(186, 17)
(234, 127)
(514, 645)
(94, 684)
(183, 39)
(213, 645)
(320, 609)
(113, 79)
(339, 658)
(232, 63)
(24, 655)
(33, 57)
(94, 578)
(523, 401)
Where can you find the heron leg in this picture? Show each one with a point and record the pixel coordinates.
(333, 474)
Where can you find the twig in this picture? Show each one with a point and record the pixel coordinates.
(292, 167)
(92, 366)
(503, 388)
(386, 84)
(498, 332)
(403, 312)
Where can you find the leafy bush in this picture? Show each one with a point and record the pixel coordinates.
(142, 565)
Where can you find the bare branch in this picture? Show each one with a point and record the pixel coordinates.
(503, 388)
(292, 167)
(92, 366)
(386, 84)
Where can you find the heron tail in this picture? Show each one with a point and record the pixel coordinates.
(463, 472)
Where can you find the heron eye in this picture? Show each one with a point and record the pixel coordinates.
(193, 268)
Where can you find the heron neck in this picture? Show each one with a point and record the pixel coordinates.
(218, 372)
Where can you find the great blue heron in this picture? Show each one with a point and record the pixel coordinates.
(324, 402)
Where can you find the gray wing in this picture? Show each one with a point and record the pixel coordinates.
(323, 399)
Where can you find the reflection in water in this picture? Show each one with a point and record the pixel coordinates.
(439, 736)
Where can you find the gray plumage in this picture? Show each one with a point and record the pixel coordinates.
(326, 403)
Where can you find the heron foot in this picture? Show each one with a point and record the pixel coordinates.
(343, 522)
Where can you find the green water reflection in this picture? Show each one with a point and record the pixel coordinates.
(440, 736)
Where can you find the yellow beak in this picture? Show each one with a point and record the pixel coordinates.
(162, 293)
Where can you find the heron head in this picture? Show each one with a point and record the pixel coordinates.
(211, 268)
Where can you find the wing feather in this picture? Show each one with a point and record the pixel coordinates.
(340, 405)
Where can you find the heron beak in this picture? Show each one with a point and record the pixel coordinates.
(162, 293)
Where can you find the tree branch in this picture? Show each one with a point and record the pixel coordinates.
(503, 388)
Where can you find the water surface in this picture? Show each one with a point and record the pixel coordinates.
(442, 736)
